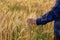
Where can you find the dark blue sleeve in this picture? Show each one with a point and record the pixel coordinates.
(48, 17)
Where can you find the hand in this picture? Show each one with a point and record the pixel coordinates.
(31, 21)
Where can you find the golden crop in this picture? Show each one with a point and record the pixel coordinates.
(13, 16)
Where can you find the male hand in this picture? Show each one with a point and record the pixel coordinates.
(31, 21)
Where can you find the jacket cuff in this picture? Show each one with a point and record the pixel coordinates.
(38, 21)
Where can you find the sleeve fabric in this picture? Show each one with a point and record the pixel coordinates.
(48, 17)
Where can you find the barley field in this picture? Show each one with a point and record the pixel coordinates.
(13, 16)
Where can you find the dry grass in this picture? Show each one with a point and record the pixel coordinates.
(13, 16)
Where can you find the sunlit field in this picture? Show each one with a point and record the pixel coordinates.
(13, 16)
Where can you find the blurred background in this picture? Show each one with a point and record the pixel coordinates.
(13, 16)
